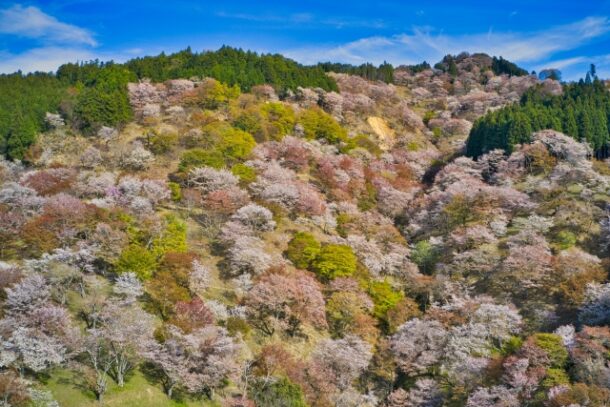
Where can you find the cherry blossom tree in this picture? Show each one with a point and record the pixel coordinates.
(199, 279)
(125, 328)
(345, 359)
(255, 217)
(199, 361)
(208, 179)
(497, 396)
(36, 334)
(129, 287)
(419, 345)
(499, 321)
(285, 300)
(136, 157)
(596, 307)
(248, 255)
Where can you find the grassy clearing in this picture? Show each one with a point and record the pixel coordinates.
(138, 392)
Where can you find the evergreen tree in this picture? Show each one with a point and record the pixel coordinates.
(582, 111)
(585, 125)
(453, 71)
(593, 71)
(588, 78)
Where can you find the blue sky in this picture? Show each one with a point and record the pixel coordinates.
(568, 35)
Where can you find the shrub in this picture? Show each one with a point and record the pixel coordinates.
(365, 142)
(348, 313)
(302, 249)
(511, 346)
(236, 144)
(138, 260)
(425, 256)
(279, 393)
(198, 157)
(429, 115)
(384, 297)
(565, 239)
(320, 125)
(280, 118)
(212, 94)
(227, 146)
(335, 260)
(162, 143)
(173, 238)
(245, 173)
(555, 377)
(553, 346)
(175, 190)
(401, 312)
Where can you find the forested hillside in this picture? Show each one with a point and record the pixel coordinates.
(24, 100)
(581, 111)
(184, 233)
(94, 94)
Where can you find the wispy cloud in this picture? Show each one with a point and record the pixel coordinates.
(305, 19)
(31, 22)
(565, 63)
(431, 45)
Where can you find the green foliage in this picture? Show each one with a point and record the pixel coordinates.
(320, 125)
(212, 94)
(501, 66)
(565, 239)
(175, 190)
(425, 255)
(102, 98)
(429, 115)
(160, 143)
(553, 345)
(137, 259)
(364, 141)
(173, 238)
(555, 377)
(278, 393)
(453, 70)
(199, 157)
(302, 249)
(245, 173)
(104, 102)
(398, 314)
(235, 145)
(233, 67)
(368, 199)
(267, 121)
(225, 146)
(511, 346)
(413, 69)
(334, 260)
(24, 100)
(581, 112)
(280, 119)
(384, 297)
(384, 72)
(237, 325)
(343, 219)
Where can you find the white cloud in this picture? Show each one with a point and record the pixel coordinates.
(563, 63)
(48, 59)
(426, 44)
(31, 22)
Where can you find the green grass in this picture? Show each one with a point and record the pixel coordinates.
(137, 392)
